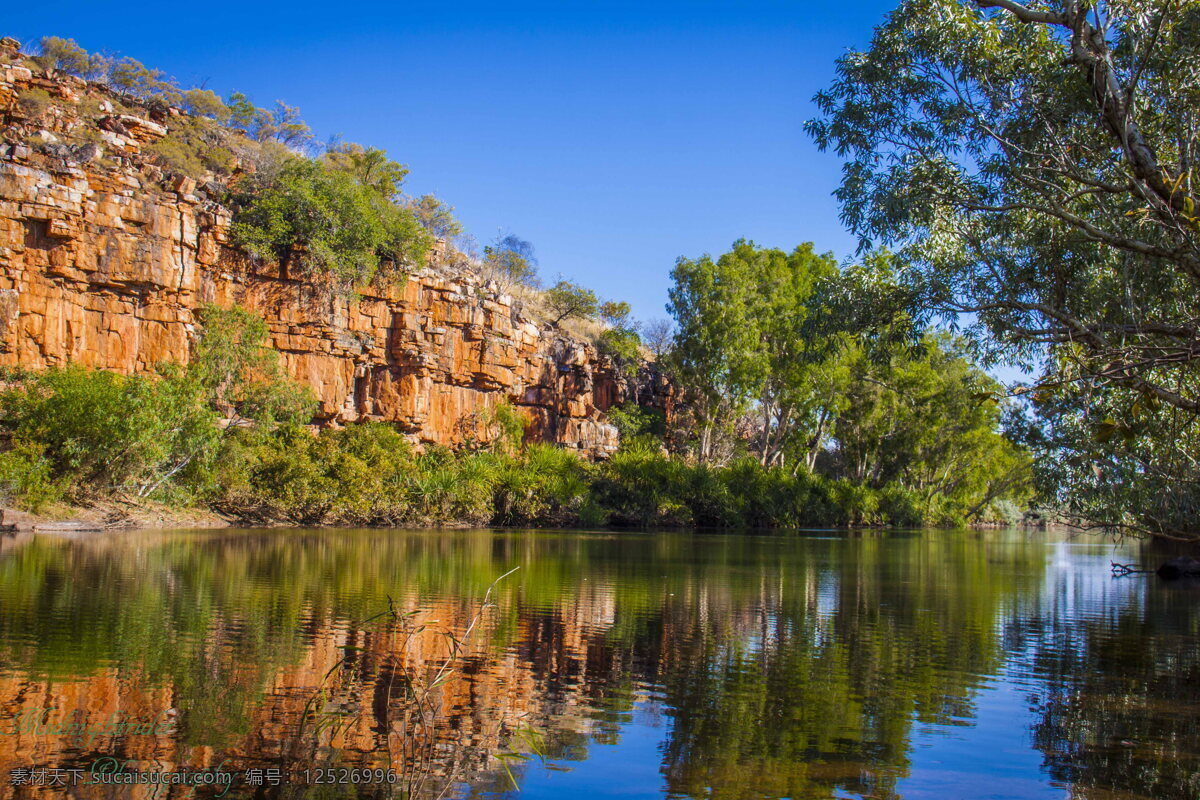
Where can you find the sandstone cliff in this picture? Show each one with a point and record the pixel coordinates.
(105, 260)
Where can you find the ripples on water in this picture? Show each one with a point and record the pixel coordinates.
(919, 665)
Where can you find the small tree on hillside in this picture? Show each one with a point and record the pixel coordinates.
(510, 260)
(369, 165)
(565, 300)
(434, 215)
(657, 334)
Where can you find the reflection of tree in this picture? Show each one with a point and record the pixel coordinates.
(1119, 716)
(796, 666)
(797, 701)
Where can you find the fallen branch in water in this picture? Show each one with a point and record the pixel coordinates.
(1121, 570)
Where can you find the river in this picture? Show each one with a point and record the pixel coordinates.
(332, 663)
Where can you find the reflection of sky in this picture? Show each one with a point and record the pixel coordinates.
(632, 768)
(947, 762)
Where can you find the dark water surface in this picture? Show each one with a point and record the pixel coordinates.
(916, 665)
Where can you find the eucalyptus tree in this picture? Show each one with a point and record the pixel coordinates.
(1035, 166)
(758, 335)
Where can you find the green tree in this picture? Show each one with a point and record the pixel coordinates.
(370, 166)
(63, 55)
(240, 372)
(435, 216)
(132, 78)
(286, 126)
(567, 300)
(205, 103)
(246, 116)
(717, 356)
(322, 221)
(926, 422)
(108, 432)
(1035, 162)
(510, 260)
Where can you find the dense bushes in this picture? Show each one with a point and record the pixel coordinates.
(104, 431)
(319, 220)
(80, 434)
(369, 475)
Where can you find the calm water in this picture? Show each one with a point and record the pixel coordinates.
(930, 665)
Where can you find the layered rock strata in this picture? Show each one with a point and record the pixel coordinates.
(105, 261)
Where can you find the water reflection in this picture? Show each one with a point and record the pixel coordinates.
(736, 667)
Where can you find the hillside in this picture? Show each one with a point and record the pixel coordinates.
(108, 249)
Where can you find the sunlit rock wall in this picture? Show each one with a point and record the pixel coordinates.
(105, 261)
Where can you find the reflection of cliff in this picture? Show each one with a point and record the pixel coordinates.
(799, 669)
(104, 262)
(365, 717)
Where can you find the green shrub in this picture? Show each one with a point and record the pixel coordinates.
(567, 300)
(545, 485)
(205, 103)
(638, 427)
(240, 373)
(105, 431)
(193, 147)
(624, 346)
(323, 222)
(63, 55)
(641, 487)
(901, 507)
(26, 479)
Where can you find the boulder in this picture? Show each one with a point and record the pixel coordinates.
(1179, 567)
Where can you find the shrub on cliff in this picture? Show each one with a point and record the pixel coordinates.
(370, 166)
(567, 300)
(638, 427)
(434, 215)
(32, 103)
(510, 261)
(193, 147)
(323, 223)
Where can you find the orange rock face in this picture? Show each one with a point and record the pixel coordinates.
(104, 261)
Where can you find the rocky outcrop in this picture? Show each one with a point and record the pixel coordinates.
(105, 261)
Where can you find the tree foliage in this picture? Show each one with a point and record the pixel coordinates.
(568, 300)
(435, 216)
(370, 166)
(322, 221)
(1035, 165)
(778, 359)
(104, 431)
(240, 372)
(91, 432)
(510, 261)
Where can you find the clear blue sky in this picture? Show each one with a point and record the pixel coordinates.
(615, 136)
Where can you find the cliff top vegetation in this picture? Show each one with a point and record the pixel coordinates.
(334, 211)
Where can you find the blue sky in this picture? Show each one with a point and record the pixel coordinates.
(614, 136)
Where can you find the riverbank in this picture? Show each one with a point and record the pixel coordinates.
(123, 514)
(112, 515)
